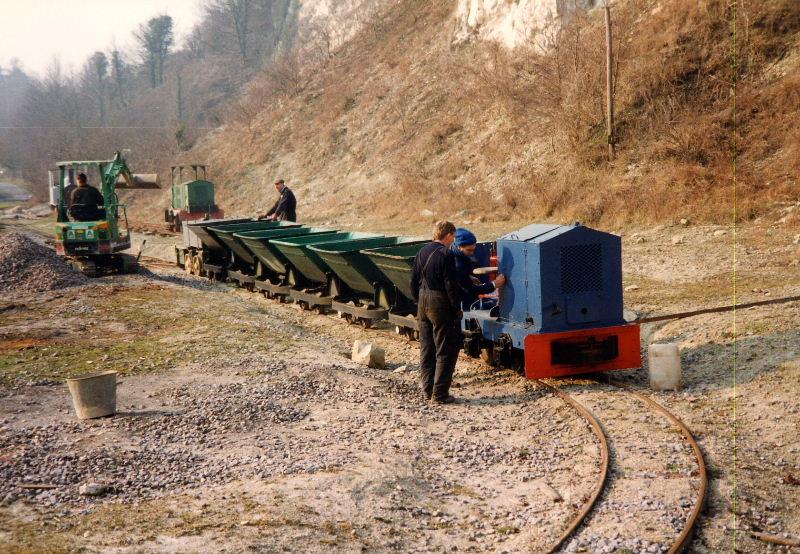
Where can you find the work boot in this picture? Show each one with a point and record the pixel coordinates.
(449, 399)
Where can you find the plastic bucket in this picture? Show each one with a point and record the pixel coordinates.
(94, 395)
(664, 362)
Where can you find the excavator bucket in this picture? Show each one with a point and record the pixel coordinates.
(127, 181)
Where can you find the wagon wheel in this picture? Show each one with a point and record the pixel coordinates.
(347, 317)
(365, 322)
(414, 334)
(400, 330)
(487, 355)
(197, 266)
(188, 263)
(518, 362)
(320, 309)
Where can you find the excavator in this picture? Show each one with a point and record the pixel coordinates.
(97, 247)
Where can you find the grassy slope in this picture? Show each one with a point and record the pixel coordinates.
(400, 120)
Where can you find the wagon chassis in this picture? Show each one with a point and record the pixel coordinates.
(356, 313)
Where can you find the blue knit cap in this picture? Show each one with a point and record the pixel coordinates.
(464, 237)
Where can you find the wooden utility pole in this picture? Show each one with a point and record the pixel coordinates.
(609, 88)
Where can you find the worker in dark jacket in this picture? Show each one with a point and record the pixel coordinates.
(464, 251)
(434, 284)
(285, 208)
(86, 201)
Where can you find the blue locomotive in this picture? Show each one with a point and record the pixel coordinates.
(560, 312)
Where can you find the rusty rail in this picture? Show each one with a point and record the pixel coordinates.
(718, 310)
(683, 539)
(688, 529)
(587, 507)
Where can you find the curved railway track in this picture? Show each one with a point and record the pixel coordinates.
(682, 540)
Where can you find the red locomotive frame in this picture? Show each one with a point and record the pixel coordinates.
(541, 351)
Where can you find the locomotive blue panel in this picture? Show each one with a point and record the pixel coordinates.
(559, 278)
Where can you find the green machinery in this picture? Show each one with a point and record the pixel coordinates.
(192, 200)
(95, 247)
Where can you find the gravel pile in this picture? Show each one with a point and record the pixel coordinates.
(27, 267)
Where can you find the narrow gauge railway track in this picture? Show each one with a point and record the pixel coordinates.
(588, 508)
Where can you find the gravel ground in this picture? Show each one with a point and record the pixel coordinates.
(243, 426)
(27, 267)
(470, 474)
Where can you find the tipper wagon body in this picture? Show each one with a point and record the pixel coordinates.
(203, 252)
(360, 283)
(272, 267)
(240, 262)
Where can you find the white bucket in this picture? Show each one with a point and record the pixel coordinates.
(94, 395)
(664, 362)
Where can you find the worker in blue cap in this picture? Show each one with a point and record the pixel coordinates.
(464, 247)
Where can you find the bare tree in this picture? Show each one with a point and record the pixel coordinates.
(118, 76)
(155, 39)
(194, 43)
(240, 13)
(96, 76)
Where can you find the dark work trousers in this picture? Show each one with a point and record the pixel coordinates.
(439, 340)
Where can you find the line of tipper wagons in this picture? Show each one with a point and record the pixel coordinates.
(365, 277)
(560, 312)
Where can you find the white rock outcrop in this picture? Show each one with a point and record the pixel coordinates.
(512, 22)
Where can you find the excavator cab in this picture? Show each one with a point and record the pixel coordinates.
(94, 242)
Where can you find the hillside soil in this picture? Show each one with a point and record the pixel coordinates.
(242, 424)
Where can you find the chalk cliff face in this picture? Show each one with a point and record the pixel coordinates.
(512, 22)
(509, 22)
(340, 18)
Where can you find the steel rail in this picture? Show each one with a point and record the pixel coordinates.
(683, 539)
(152, 260)
(688, 529)
(718, 310)
(587, 507)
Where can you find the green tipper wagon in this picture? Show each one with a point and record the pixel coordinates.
(203, 252)
(240, 260)
(396, 264)
(364, 294)
(310, 278)
(272, 266)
